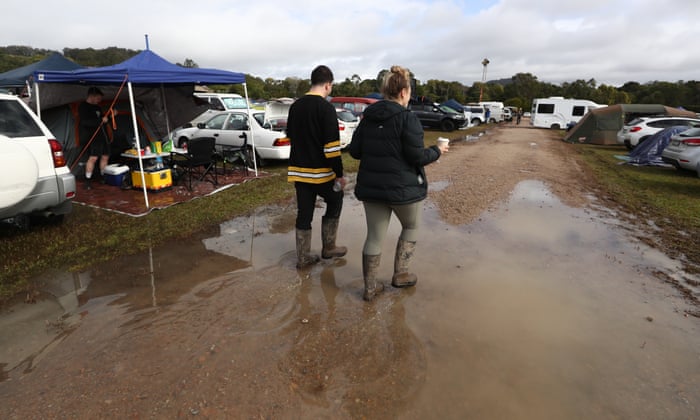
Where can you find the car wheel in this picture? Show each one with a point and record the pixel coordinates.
(447, 125)
(182, 141)
(22, 221)
(555, 127)
(476, 122)
(697, 169)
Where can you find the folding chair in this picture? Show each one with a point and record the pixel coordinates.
(236, 155)
(199, 160)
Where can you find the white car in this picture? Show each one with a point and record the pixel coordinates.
(232, 128)
(347, 123)
(640, 129)
(34, 176)
(683, 150)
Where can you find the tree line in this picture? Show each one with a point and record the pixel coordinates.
(518, 91)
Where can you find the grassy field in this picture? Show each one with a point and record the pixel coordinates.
(665, 196)
(662, 200)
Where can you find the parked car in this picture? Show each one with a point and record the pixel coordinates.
(347, 123)
(437, 116)
(683, 150)
(507, 114)
(459, 108)
(639, 129)
(356, 105)
(232, 128)
(477, 112)
(34, 177)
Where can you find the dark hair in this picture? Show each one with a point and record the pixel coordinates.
(321, 75)
(94, 91)
(394, 81)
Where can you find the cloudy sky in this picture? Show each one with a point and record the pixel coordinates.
(611, 41)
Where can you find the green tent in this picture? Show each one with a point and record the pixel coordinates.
(600, 125)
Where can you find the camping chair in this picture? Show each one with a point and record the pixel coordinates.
(198, 161)
(236, 155)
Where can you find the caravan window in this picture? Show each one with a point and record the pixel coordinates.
(545, 108)
(578, 111)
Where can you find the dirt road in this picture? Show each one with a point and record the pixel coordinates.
(483, 173)
(529, 305)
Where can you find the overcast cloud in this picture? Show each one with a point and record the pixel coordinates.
(611, 41)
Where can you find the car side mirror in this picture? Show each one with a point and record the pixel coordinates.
(201, 125)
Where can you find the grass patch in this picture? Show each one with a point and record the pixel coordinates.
(666, 198)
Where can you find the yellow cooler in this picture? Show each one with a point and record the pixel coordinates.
(155, 180)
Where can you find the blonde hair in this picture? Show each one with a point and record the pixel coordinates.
(394, 81)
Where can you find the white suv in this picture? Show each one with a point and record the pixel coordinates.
(218, 102)
(639, 129)
(477, 112)
(34, 176)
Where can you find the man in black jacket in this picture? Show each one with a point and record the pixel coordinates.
(92, 135)
(315, 166)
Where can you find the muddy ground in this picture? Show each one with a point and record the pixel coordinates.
(483, 173)
(533, 301)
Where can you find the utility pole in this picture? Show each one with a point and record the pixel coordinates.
(483, 78)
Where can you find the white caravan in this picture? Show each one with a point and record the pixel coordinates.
(496, 113)
(557, 112)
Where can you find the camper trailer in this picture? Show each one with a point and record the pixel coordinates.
(558, 112)
(496, 113)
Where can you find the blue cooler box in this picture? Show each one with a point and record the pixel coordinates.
(114, 174)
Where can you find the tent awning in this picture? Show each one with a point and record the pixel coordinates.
(144, 68)
(18, 77)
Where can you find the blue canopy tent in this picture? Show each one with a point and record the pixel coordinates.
(20, 78)
(149, 78)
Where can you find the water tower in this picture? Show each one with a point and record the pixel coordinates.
(485, 63)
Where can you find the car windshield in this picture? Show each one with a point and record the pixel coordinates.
(234, 103)
(636, 121)
(447, 109)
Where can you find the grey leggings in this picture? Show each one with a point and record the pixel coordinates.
(378, 216)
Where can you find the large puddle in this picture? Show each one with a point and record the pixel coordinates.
(536, 310)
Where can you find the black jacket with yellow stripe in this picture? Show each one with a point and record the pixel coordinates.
(312, 128)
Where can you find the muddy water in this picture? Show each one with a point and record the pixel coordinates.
(536, 310)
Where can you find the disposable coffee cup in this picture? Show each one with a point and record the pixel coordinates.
(441, 141)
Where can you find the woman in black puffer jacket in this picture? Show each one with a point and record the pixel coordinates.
(389, 144)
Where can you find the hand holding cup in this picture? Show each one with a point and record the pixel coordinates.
(443, 144)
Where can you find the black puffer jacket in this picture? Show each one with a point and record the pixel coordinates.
(389, 144)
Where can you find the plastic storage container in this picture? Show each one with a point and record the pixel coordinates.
(155, 180)
(114, 174)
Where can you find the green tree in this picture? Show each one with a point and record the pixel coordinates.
(189, 63)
